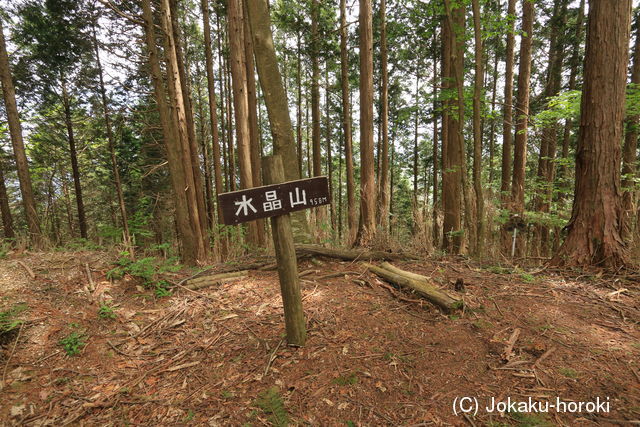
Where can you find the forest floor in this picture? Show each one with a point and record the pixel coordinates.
(374, 355)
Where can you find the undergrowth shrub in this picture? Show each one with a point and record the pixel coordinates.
(148, 270)
(272, 405)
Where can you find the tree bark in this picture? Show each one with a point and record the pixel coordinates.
(276, 102)
(191, 250)
(315, 91)
(350, 254)
(594, 229)
(477, 129)
(629, 156)
(213, 108)
(329, 148)
(548, 143)
(507, 135)
(299, 102)
(421, 286)
(181, 115)
(111, 143)
(241, 102)
(15, 130)
(453, 150)
(576, 63)
(231, 157)
(492, 127)
(522, 120)
(254, 136)
(82, 221)
(366, 228)
(346, 125)
(319, 213)
(384, 202)
(5, 210)
(416, 153)
(224, 167)
(187, 105)
(436, 204)
(507, 124)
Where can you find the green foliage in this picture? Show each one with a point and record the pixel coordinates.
(8, 318)
(529, 278)
(564, 106)
(458, 305)
(272, 405)
(73, 343)
(161, 289)
(106, 311)
(530, 420)
(190, 416)
(5, 247)
(569, 372)
(350, 379)
(80, 244)
(496, 269)
(226, 394)
(148, 270)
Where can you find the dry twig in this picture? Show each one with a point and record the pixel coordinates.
(29, 270)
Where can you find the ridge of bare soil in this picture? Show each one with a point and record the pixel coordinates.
(375, 355)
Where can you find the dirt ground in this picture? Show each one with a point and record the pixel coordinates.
(374, 356)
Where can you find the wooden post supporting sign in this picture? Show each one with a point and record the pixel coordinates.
(287, 261)
(275, 200)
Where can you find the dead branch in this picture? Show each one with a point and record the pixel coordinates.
(350, 254)
(217, 279)
(422, 287)
(508, 351)
(29, 270)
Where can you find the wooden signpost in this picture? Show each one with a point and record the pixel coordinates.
(275, 201)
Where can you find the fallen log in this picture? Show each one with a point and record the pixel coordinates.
(350, 254)
(421, 287)
(409, 274)
(216, 279)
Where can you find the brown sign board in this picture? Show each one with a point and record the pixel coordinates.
(273, 200)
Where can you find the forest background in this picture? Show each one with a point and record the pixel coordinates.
(442, 125)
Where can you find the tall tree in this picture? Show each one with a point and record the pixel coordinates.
(477, 128)
(73, 153)
(15, 130)
(549, 134)
(436, 202)
(276, 101)
(182, 118)
(507, 134)
(383, 219)
(252, 103)
(185, 104)
(629, 156)
(346, 125)
(366, 228)
(5, 209)
(576, 63)
(111, 142)
(507, 120)
(453, 115)
(213, 108)
(192, 247)
(241, 101)
(56, 41)
(522, 119)
(320, 213)
(594, 228)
